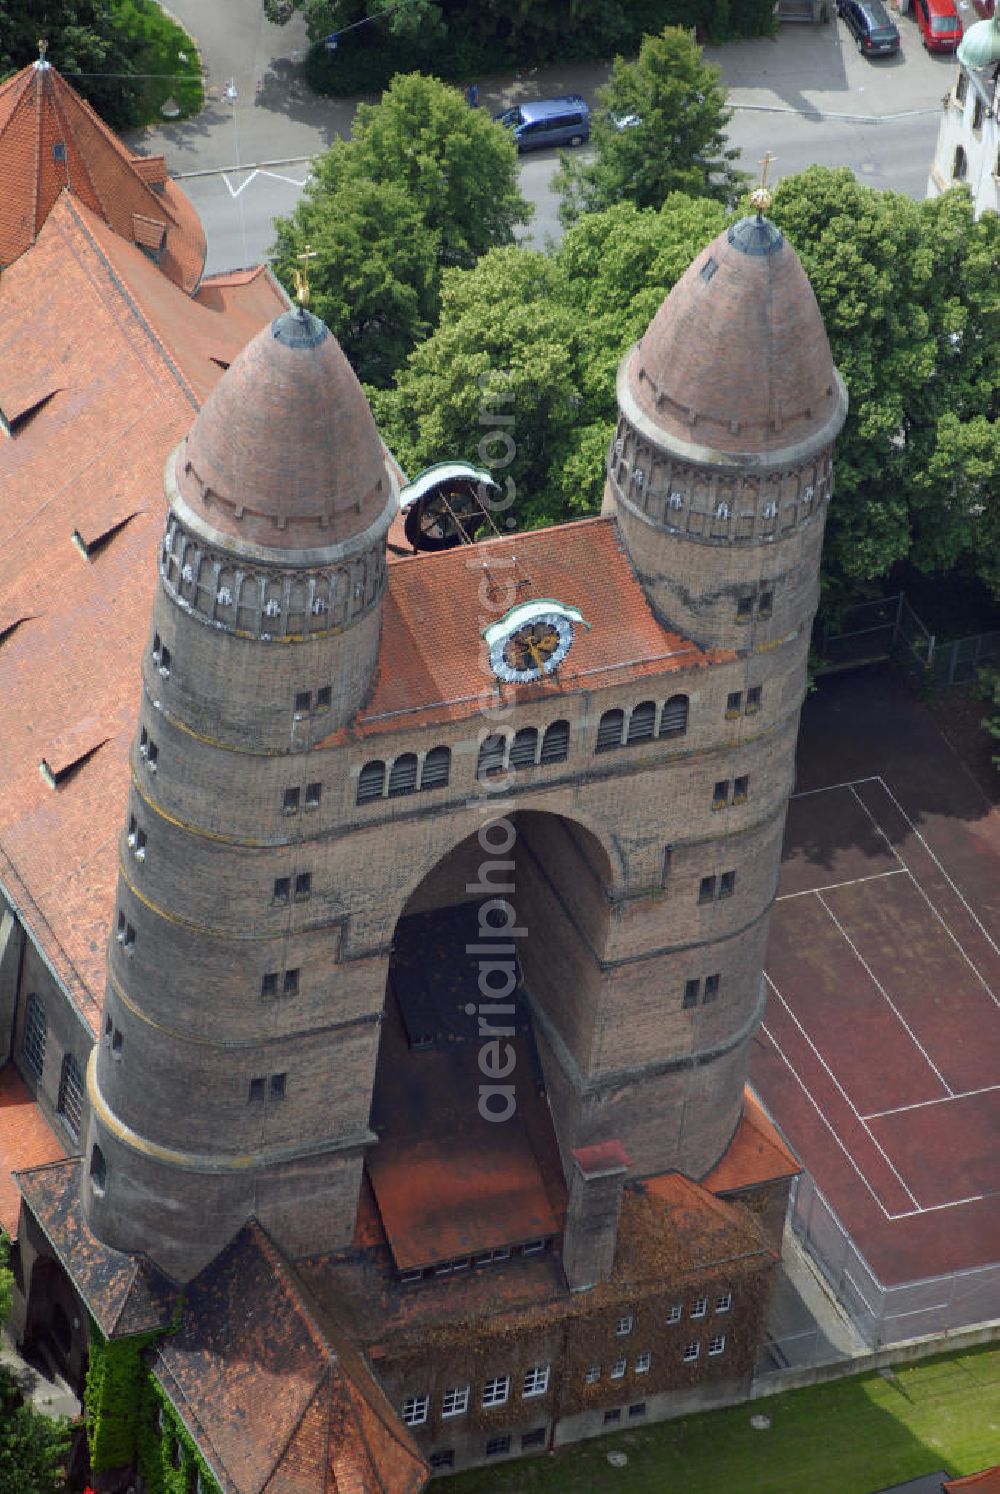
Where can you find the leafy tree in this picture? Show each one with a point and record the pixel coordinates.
(660, 128)
(423, 183)
(33, 1447)
(911, 309)
(84, 41)
(6, 1279)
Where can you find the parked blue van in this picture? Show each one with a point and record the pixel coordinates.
(542, 122)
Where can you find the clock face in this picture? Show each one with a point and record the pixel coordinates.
(531, 641)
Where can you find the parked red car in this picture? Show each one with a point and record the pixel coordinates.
(940, 28)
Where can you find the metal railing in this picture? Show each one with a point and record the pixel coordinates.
(888, 628)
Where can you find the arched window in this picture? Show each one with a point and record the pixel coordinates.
(98, 1170)
(642, 722)
(524, 748)
(491, 755)
(36, 1029)
(371, 782)
(70, 1101)
(960, 169)
(610, 731)
(674, 717)
(403, 775)
(437, 766)
(555, 743)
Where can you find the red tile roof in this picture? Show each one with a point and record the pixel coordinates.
(128, 359)
(26, 1140)
(271, 1388)
(757, 1154)
(51, 141)
(432, 665)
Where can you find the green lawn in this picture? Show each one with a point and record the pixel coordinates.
(849, 1437)
(162, 40)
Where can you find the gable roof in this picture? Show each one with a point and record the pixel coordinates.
(128, 359)
(51, 141)
(271, 1389)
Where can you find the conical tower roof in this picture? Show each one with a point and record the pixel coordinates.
(737, 359)
(52, 141)
(284, 453)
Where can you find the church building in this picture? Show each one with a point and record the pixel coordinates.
(394, 1029)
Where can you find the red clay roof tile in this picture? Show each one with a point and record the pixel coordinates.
(757, 1154)
(26, 1140)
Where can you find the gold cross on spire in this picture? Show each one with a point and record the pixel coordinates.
(302, 276)
(762, 196)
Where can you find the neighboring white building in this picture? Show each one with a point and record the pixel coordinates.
(968, 143)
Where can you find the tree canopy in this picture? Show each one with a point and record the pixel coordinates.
(84, 40)
(909, 296)
(32, 1447)
(423, 183)
(660, 127)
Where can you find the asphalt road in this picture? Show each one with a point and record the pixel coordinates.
(807, 96)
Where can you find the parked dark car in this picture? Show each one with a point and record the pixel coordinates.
(870, 24)
(542, 122)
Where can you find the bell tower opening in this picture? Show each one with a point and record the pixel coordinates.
(492, 977)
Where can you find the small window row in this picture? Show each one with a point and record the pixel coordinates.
(461, 1263)
(702, 992)
(612, 1418)
(740, 704)
(161, 655)
(125, 933)
(289, 889)
(757, 602)
(534, 1382)
(308, 798)
(723, 1303)
(404, 775)
(643, 723)
(444, 1457)
(279, 983)
(308, 703)
(716, 1346)
(619, 1368)
(712, 889)
(148, 750)
(267, 1087)
(527, 748)
(113, 1038)
(730, 791)
(136, 839)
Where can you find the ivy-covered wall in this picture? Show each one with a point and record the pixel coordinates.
(131, 1424)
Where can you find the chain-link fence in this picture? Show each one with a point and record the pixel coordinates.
(888, 628)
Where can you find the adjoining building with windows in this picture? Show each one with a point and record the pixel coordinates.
(384, 941)
(968, 143)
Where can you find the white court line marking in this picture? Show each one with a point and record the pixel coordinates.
(904, 1214)
(278, 177)
(913, 878)
(887, 998)
(847, 1099)
(897, 871)
(830, 787)
(962, 1094)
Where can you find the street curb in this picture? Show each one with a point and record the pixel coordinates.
(179, 176)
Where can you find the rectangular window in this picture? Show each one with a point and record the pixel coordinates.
(692, 989)
(744, 609)
(691, 1353)
(324, 697)
(128, 938)
(623, 1326)
(717, 1344)
(257, 1090)
(711, 988)
(639, 1409)
(497, 1446)
(720, 794)
(642, 1363)
(407, 1278)
(290, 985)
(533, 1439)
(675, 1313)
(117, 1043)
(314, 793)
(496, 1391)
(535, 1382)
(593, 1375)
(462, 1263)
(415, 1410)
(700, 1307)
(502, 1253)
(269, 983)
(444, 1458)
(733, 703)
(753, 699)
(665, 866)
(455, 1402)
(618, 1369)
(765, 604)
(706, 891)
(534, 1247)
(741, 788)
(282, 889)
(725, 1302)
(727, 884)
(290, 803)
(303, 702)
(276, 1089)
(36, 1028)
(303, 886)
(611, 1417)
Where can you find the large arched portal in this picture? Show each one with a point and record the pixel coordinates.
(494, 977)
